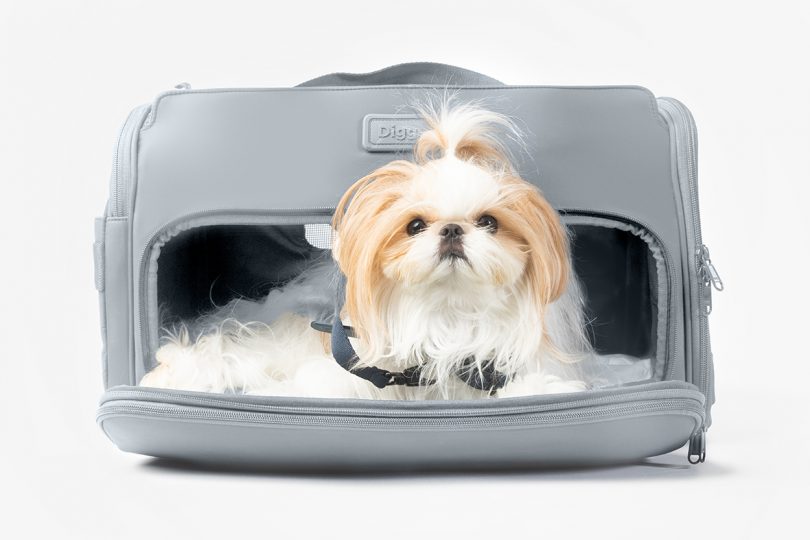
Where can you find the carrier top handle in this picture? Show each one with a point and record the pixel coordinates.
(428, 73)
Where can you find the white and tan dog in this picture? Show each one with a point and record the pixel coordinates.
(452, 263)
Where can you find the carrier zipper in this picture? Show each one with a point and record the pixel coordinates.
(686, 151)
(709, 276)
(248, 402)
(697, 447)
(120, 179)
(708, 270)
(544, 418)
(157, 403)
(113, 208)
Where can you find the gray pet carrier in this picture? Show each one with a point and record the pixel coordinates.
(224, 193)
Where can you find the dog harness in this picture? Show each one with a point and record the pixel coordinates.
(487, 378)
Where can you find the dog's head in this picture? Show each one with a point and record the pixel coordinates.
(457, 217)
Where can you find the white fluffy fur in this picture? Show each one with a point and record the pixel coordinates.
(436, 313)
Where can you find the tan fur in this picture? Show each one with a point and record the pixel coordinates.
(545, 237)
(326, 342)
(360, 224)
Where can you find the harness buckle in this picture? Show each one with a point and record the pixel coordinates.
(411, 376)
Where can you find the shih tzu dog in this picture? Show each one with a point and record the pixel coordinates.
(456, 281)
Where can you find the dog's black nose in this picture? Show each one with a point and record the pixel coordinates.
(451, 231)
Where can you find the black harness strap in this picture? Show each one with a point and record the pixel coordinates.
(346, 357)
(487, 378)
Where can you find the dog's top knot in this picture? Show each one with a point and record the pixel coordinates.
(464, 131)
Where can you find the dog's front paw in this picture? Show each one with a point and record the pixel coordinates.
(163, 375)
(157, 378)
(178, 368)
(533, 384)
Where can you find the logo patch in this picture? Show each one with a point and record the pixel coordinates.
(391, 132)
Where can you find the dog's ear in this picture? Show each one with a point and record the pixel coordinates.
(548, 268)
(361, 205)
(362, 229)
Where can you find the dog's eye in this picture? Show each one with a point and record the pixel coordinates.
(416, 226)
(487, 222)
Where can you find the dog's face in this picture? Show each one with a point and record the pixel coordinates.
(451, 227)
(457, 219)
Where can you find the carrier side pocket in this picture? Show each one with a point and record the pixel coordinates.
(98, 275)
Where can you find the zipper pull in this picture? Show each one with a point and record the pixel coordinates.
(708, 273)
(697, 448)
(707, 269)
(182, 86)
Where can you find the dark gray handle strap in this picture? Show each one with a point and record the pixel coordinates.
(428, 73)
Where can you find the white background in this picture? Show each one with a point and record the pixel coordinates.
(70, 72)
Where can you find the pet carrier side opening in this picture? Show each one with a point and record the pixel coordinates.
(621, 268)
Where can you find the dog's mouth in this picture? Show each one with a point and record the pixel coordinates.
(453, 252)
